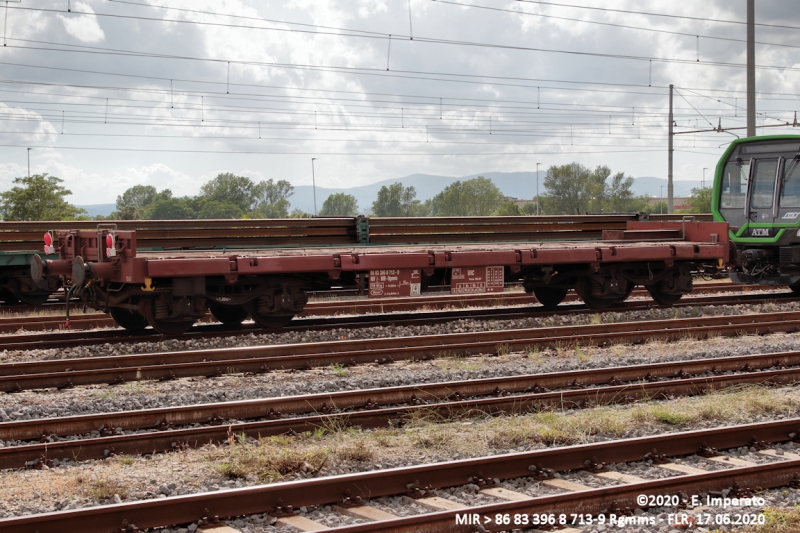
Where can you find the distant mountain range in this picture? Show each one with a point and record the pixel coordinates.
(516, 184)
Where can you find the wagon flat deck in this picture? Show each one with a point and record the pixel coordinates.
(704, 241)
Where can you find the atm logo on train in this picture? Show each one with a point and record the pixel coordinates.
(759, 232)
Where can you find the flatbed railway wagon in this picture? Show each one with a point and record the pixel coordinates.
(20, 241)
(170, 290)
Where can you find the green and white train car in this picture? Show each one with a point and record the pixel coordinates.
(757, 191)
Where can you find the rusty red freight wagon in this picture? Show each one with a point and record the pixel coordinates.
(170, 290)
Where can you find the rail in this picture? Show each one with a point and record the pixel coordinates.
(298, 232)
(379, 407)
(60, 373)
(281, 498)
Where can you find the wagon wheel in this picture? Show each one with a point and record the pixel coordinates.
(550, 297)
(584, 290)
(128, 318)
(661, 297)
(267, 321)
(628, 291)
(230, 315)
(167, 326)
(170, 327)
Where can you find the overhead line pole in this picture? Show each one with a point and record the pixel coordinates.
(670, 152)
(751, 69)
(537, 188)
(314, 184)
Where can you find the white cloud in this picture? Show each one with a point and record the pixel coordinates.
(362, 121)
(83, 27)
(24, 126)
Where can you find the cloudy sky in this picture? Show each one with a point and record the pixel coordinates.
(111, 94)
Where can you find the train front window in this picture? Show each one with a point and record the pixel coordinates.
(790, 189)
(734, 184)
(763, 183)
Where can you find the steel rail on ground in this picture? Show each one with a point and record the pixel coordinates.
(65, 339)
(510, 395)
(399, 481)
(214, 362)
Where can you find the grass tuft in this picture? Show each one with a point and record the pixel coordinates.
(664, 414)
(242, 459)
(778, 521)
(357, 452)
(581, 355)
(339, 369)
(104, 489)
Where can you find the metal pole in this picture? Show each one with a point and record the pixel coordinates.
(537, 189)
(751, 69)
(29, 162)
(670, 150)
(314, 184)
(661, 200)
(704, 178)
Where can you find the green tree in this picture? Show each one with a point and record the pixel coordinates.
(137, 196)
(658, 208)
(216, 209)
(339, 205)
(133, 203)
(574, 189)
(530, 208)
(619, 197)
(397, 201)
(38, 197)
(700, 201)
(127, 212)
(299, 213)
(271, 199)
(475, 197)
(508, 209)
(227, 187)
(171, 209)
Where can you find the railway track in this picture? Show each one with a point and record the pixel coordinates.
(372, 408)
(62, 373)
(14, 323)
(65, 339)
(422, 485)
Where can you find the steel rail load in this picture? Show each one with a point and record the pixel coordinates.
(170, 290)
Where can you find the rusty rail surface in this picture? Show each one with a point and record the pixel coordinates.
(65, 338)
(593, 502)
(399, 481)
(214, 362)
(298, 232)
(514, 394)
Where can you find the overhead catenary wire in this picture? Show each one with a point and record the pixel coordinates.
(365, 70)
(613, 24)
(508, 122)
(349, 154)
(653, 14)
(549, 80)
(387, 113)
